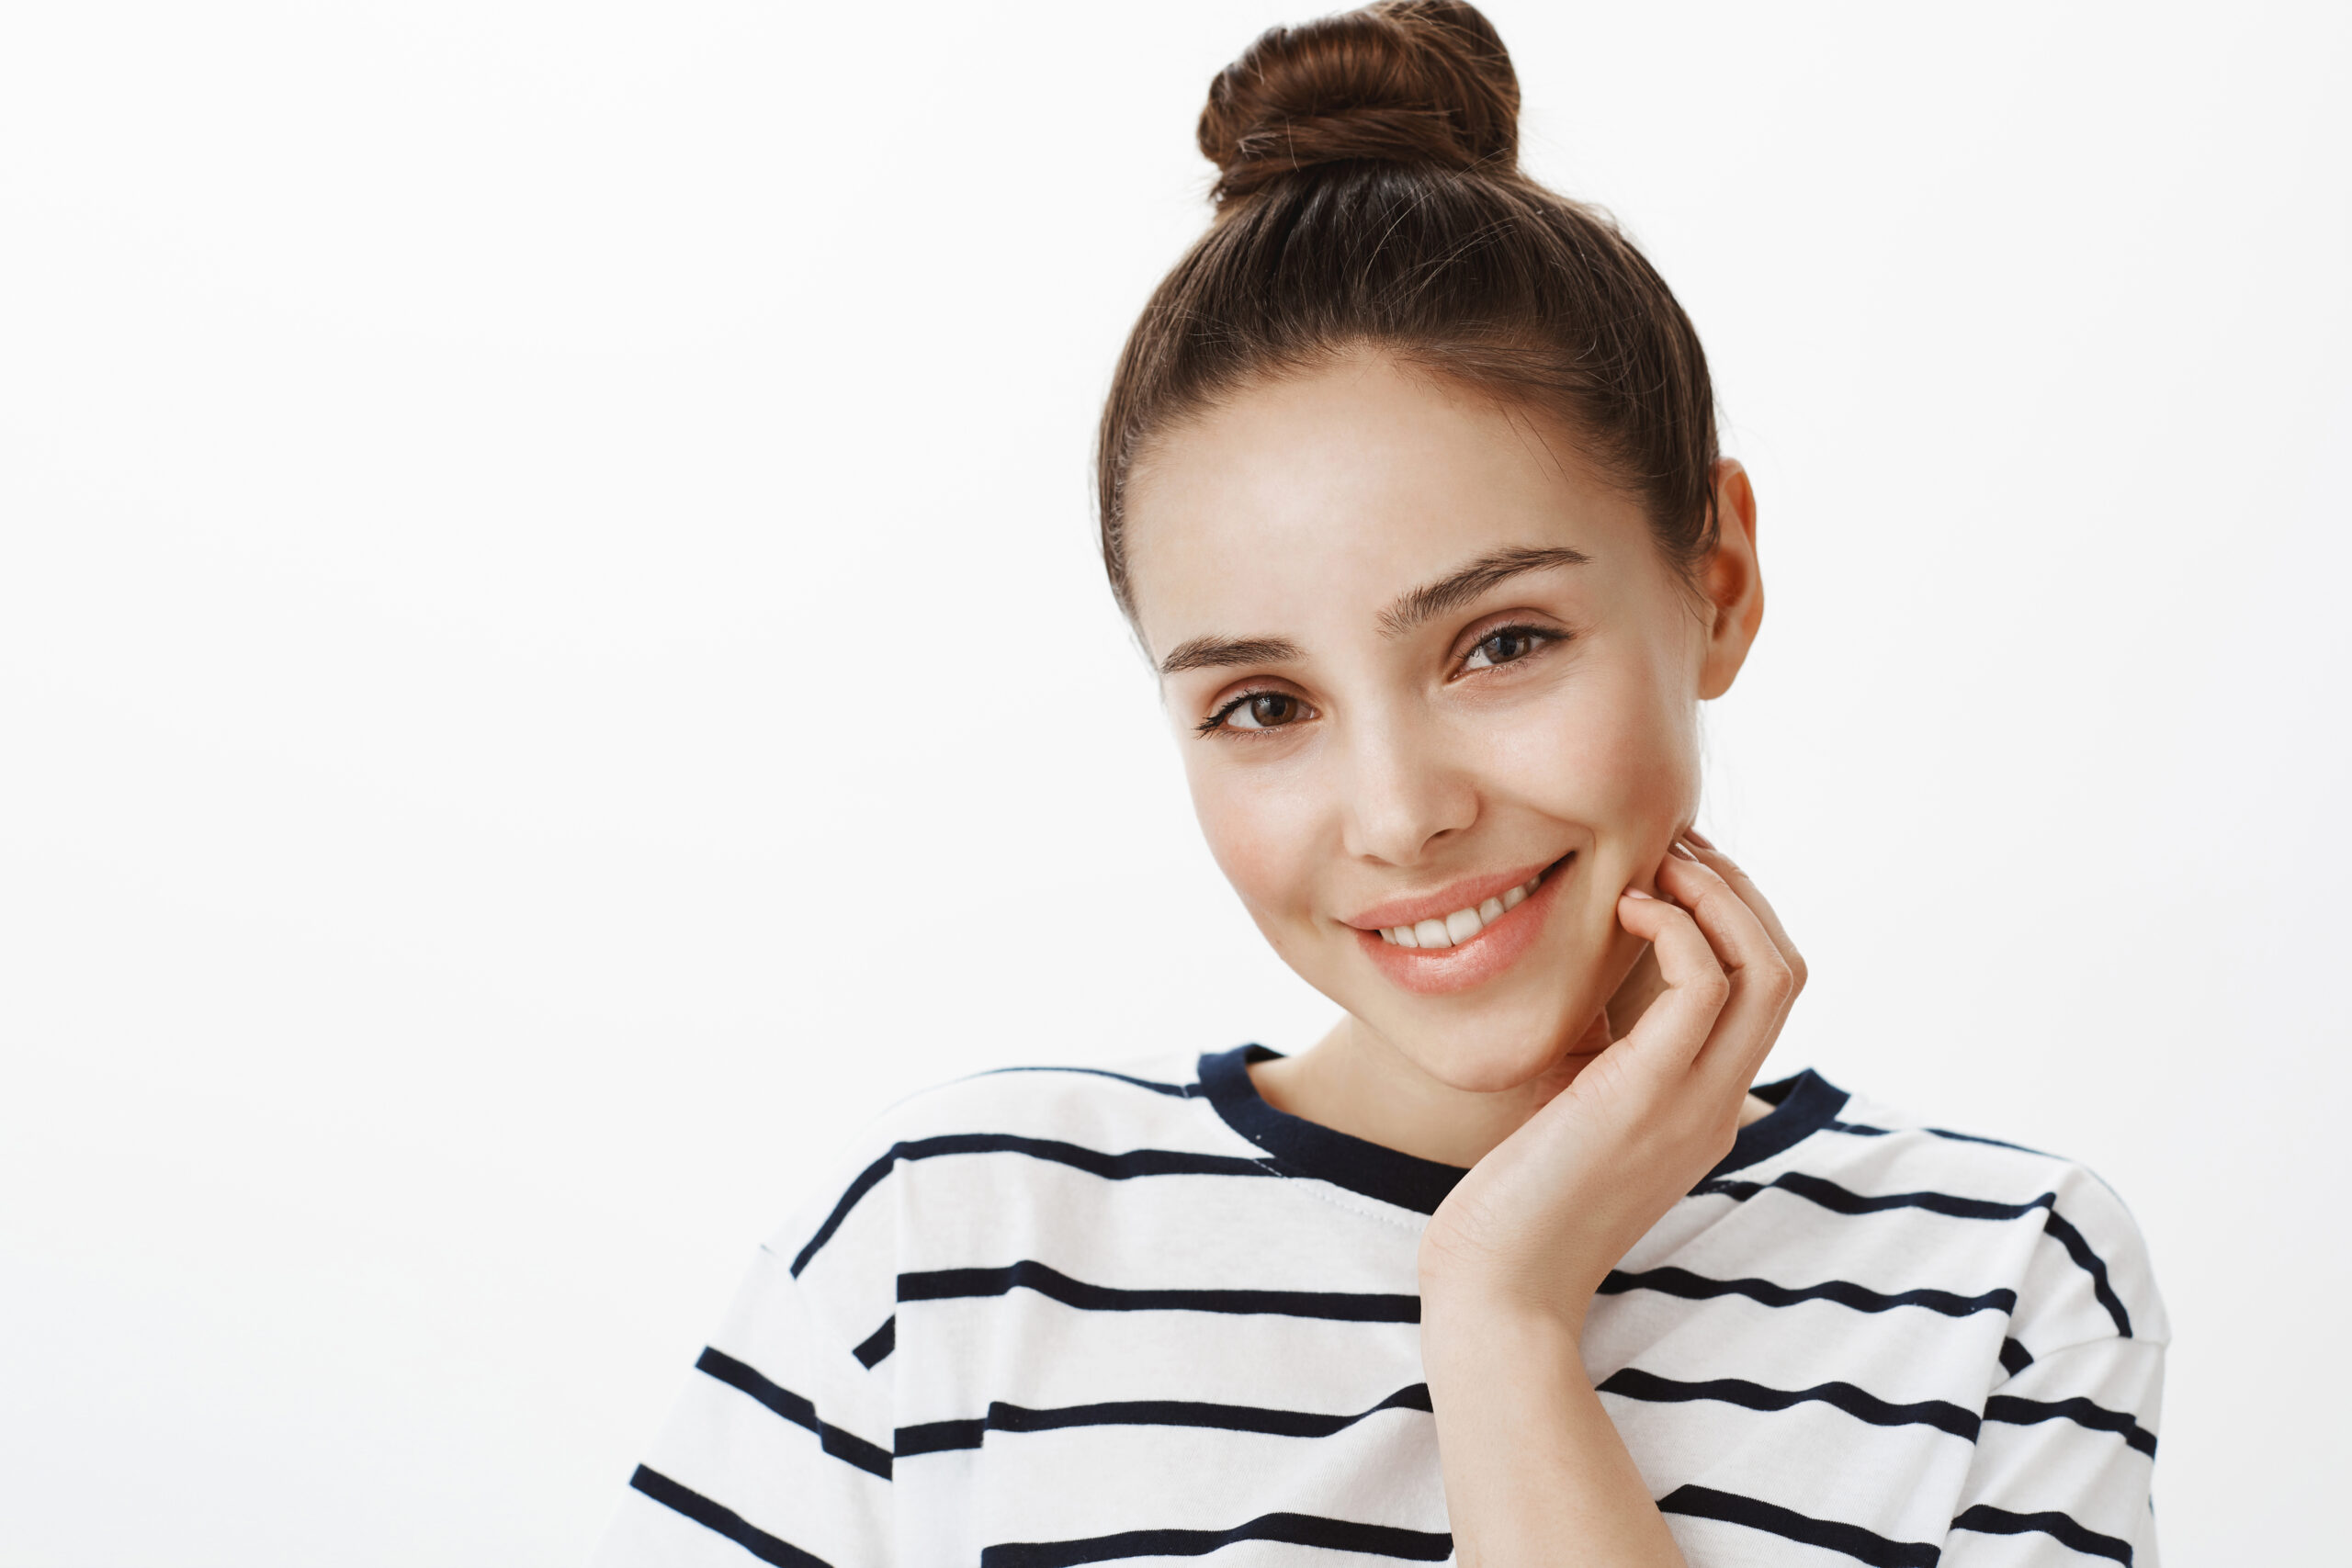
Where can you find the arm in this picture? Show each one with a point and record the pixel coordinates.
(1535, 1471)
(1534, 1468)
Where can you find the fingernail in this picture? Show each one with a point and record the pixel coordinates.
(1637, 893)
(1676, 849)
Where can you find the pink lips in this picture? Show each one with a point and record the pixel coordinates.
(1435, 971)
(1467, 894)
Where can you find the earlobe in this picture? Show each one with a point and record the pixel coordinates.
(1732, 580)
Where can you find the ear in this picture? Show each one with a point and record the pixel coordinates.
(1731, 581)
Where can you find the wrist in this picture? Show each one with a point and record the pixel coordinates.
(1463, 1325)
(1478, 1293)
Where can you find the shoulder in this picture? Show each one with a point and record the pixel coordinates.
(1052, 1099)
(1148, 1116)
(2066, 1242)
(1026, 1107)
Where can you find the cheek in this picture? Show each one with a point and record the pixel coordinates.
(1618, 752)
(1261, 830)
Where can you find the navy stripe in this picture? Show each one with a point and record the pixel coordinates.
(948, 1284)
(1864, 1130)
(1980, 1138)
(1706, 1503)
(2014, 1357)
(870, 1456)
(1860, 1404)
(939, 1436)
(867, 1180)
(2080, 1412)
(1843, 1200)
(1290, 1529)
(1987, 1520)
(1673, 1282)
(943, 1436)
(723, 1521)
(1178, 1090)
(1839, 1200)
(879, 1344)
(1094, 1162)
(2080, 1251)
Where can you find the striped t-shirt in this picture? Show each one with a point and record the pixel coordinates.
(1067, 1315)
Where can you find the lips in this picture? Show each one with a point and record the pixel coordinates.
(1437, 903)
(1510, 908)
(1460, 925)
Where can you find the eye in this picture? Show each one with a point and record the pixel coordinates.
(1507, 644)
(1257, 710)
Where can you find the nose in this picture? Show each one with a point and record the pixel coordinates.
(1404, 791)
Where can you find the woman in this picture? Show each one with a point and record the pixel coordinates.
(1411, 489)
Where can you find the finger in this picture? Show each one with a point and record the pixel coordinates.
(1724, 867)
(1762, 985)
(1642, 986)
(1675, 1026)
(1737, 935)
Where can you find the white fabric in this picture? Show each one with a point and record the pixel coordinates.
(2001, 1410)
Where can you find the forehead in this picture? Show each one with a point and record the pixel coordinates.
(1323, 496)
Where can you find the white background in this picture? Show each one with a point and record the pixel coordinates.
(550, 664)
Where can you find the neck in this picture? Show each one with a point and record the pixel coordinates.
(1353, 1081)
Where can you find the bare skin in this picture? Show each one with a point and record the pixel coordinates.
(1411, 643)
(1324, 1084)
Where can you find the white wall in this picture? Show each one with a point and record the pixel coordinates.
(549, 663)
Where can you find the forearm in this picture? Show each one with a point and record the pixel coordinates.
(1535, 1472)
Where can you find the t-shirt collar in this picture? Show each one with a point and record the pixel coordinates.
(1802, 1105)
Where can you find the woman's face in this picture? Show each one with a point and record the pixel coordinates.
(1428, 672)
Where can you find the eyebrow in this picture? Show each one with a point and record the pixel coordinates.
(1221, 652)
(1459, 588)
(1450, 591)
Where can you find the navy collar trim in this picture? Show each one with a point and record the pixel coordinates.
(1802, 1105)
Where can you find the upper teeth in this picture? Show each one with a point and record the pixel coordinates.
(1461, 925)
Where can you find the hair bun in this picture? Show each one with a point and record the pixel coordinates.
(1402, 82)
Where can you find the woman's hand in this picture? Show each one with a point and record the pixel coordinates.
(1538, 1223)
(1535, 1471)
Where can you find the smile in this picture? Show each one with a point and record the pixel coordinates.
(1461, 924)
(1455, 938)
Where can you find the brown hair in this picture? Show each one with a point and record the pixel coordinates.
(1369, 194)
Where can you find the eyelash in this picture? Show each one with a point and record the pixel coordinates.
(1215, 723)
(1542, 636)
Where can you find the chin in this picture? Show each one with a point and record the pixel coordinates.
(1507, 1034)
(1495, 1049)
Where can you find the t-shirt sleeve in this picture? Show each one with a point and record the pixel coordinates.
(778, 1448)
(2066, 1450)
(2063, 1462)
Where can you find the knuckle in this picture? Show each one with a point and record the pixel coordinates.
(1713, 893)
(1797, 969)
